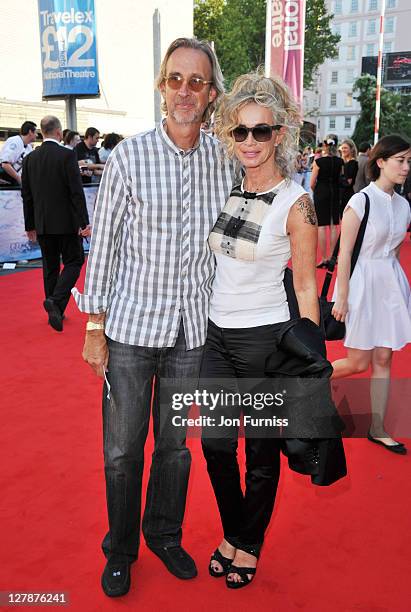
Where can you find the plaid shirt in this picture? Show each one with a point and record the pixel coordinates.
(150, 265)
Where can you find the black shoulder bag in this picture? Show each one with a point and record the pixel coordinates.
(333, 329)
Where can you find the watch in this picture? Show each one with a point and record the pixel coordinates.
(90, 326)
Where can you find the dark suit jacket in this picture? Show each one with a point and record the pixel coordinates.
(52, 191)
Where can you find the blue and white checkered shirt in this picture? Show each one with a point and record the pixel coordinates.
(150, 264)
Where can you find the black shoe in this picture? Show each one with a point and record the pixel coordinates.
(243, 572)
(176, 560)
(55, 317)
(397, 448)
(115, 580)
(225, 563)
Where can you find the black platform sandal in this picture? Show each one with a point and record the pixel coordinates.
(242, 572)
(225, 563)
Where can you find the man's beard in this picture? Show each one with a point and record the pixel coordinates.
(186, 118)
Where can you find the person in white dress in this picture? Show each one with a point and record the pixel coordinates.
(375, 302)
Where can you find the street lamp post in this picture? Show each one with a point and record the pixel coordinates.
(379, 75)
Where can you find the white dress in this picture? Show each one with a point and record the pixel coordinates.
(379, 301)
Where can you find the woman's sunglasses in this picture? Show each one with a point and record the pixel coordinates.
(261, 132)
(195, 84)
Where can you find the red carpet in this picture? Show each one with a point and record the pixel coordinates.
(343, 548)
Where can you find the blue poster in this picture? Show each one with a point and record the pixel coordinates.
(68, 48)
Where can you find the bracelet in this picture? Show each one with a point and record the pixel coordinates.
(90, 326)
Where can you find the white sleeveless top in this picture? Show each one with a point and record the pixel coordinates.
(252, 249)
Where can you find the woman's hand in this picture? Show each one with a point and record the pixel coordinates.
(340, 309)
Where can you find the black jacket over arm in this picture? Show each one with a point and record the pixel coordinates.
(52, 191)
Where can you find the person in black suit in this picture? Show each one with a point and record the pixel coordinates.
(55, 214)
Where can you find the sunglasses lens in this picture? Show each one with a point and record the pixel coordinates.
(262, 133)
(174, 82)
(195, 84)
(240, 134)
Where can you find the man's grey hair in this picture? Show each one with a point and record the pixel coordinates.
(49, 124)
(217, 76)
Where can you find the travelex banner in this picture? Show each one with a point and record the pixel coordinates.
(68, 48)
(285, 43)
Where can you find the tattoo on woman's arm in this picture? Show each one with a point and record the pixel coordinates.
(306, 207)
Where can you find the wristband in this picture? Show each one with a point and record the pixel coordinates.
(90, 326)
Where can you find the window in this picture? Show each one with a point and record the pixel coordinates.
(351, 52)
(352, 28)
(333, 99)
(331, 123)
(350, 76)
(347, 123)
(389, 25)
(369, 49)
(334, 77)
(372, 5)
(391, 4)
(348, 99)
(338, 7)
(372, 26)
(337, 28)
(354, 6)
(388, 47)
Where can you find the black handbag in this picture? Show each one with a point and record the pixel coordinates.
(333, 329)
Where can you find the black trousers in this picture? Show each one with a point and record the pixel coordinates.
(233, 354)
(58, 285)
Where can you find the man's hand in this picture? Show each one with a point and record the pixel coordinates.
(86, 232)
(32, 235)
(95, 351)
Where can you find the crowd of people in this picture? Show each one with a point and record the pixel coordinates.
(186, 280)
(90, 159)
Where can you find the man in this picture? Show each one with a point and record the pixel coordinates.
(14, 150)
(55, 213)
(88, 157)
(147, 291)
(362, 179)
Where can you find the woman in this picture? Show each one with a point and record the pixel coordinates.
(375, 303)
(267, 218)
(110, 141)
(325, 178)
(349, 156)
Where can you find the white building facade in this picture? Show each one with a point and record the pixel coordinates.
(126, 35)
(331, 104)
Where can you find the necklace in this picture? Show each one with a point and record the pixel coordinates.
(262, 187)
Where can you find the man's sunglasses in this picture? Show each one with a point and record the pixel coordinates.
(195, 84)
(261, 132)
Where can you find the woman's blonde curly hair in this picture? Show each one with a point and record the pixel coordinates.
(272, 93)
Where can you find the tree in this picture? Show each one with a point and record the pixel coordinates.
(395, 113)
(237, 28)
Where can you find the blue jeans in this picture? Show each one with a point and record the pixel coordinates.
(126, 416)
